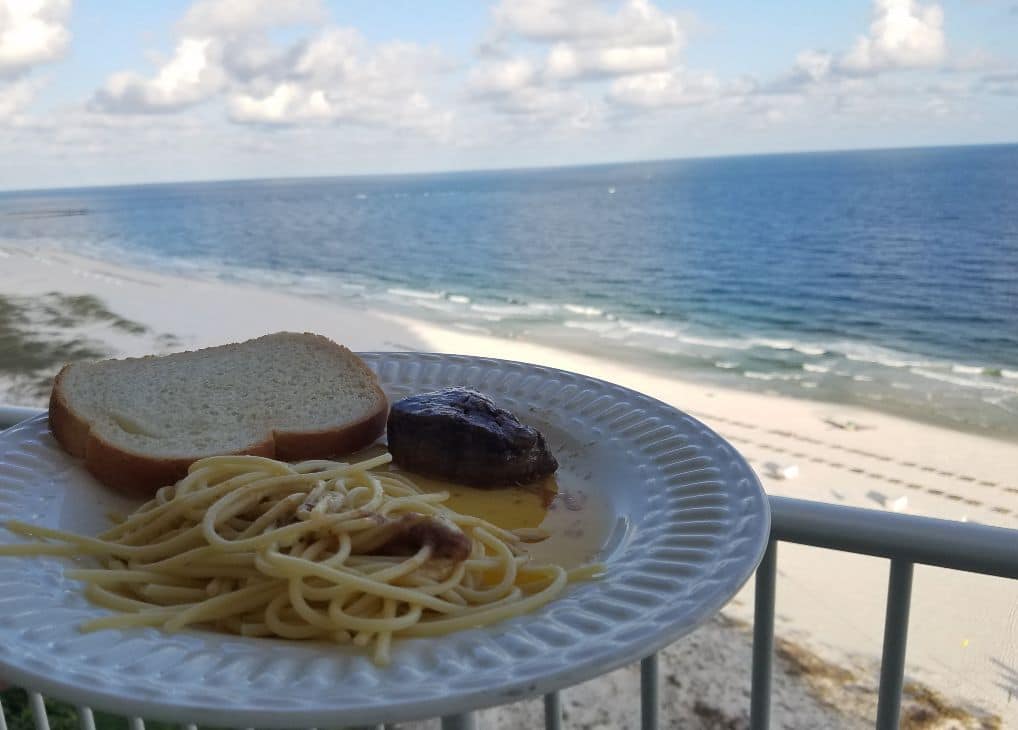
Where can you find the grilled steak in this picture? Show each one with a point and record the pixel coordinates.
(462, 436)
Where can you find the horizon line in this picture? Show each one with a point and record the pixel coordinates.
(495, 170)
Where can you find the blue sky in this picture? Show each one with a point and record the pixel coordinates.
(121, 92)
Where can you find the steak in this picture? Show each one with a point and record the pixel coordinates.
(460, 435)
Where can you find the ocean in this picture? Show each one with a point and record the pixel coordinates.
(887, 279)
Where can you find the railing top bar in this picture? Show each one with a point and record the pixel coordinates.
(925, 540)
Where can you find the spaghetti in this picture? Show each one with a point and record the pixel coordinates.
(314, 550)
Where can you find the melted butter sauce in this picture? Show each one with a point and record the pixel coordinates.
(507, 507)
(560, 504)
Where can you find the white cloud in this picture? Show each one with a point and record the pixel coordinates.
(637, 22)
(191, 76)
(218, 17)
(665, 89)
(813, 65)
(32, 32)
(904, 34)
(14, 98)
(503, 77)
(573, 59)
(227, 52)
(337, 77)
(1003, 83)
(566, 61)
(287, 103)
(589, 41)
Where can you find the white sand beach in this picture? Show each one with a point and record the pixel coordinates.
(963, 638)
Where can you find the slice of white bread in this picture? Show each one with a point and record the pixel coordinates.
(140, 422)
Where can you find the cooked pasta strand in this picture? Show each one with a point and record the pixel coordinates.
(260, 547)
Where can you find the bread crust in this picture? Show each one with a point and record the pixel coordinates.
(70, 430)
(141, 475)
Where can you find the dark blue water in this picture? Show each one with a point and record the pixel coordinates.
(885, 278)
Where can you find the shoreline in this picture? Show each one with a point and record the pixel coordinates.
(407, 310)
(842, 454)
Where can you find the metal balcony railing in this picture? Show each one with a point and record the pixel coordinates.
(904, 540)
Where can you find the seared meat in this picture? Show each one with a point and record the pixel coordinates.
(462, 436)
(412, 531)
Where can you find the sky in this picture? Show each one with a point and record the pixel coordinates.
(120, 92)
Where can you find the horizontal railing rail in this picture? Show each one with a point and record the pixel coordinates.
(906, 540)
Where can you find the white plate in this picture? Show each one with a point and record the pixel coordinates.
(689, 522)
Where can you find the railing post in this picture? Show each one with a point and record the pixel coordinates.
(38, 705)
(552, 711)
(892, 663)
(648, 693)
(86, 720)
(763, 639)
(464, 721)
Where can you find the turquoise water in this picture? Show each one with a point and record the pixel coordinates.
(888, 279)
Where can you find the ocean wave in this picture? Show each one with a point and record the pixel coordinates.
(802, 347)
(875, 357)
(1009, 373)
(962, 382)
(756, 375)
(589, 326)
(638, 328)
(459, 299)
(810, 368)
(966, 369)
(725, 365)
(530, 309)
(415, 293)
(717, 344)
(581, 309)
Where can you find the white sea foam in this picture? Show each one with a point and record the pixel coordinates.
(588, 325)
(532, 309)
(725, 365)
(580, 309)
(717, 344)
(639, 328)
(459, 299)
(872, 355)
(415, 293)
(772, 376)
(810, 368)
(804, 347)
(966, 369)
(963, 382)
(878, 360)
(440, 305)
(466, 327)
(862, 378)
(1009, 373)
